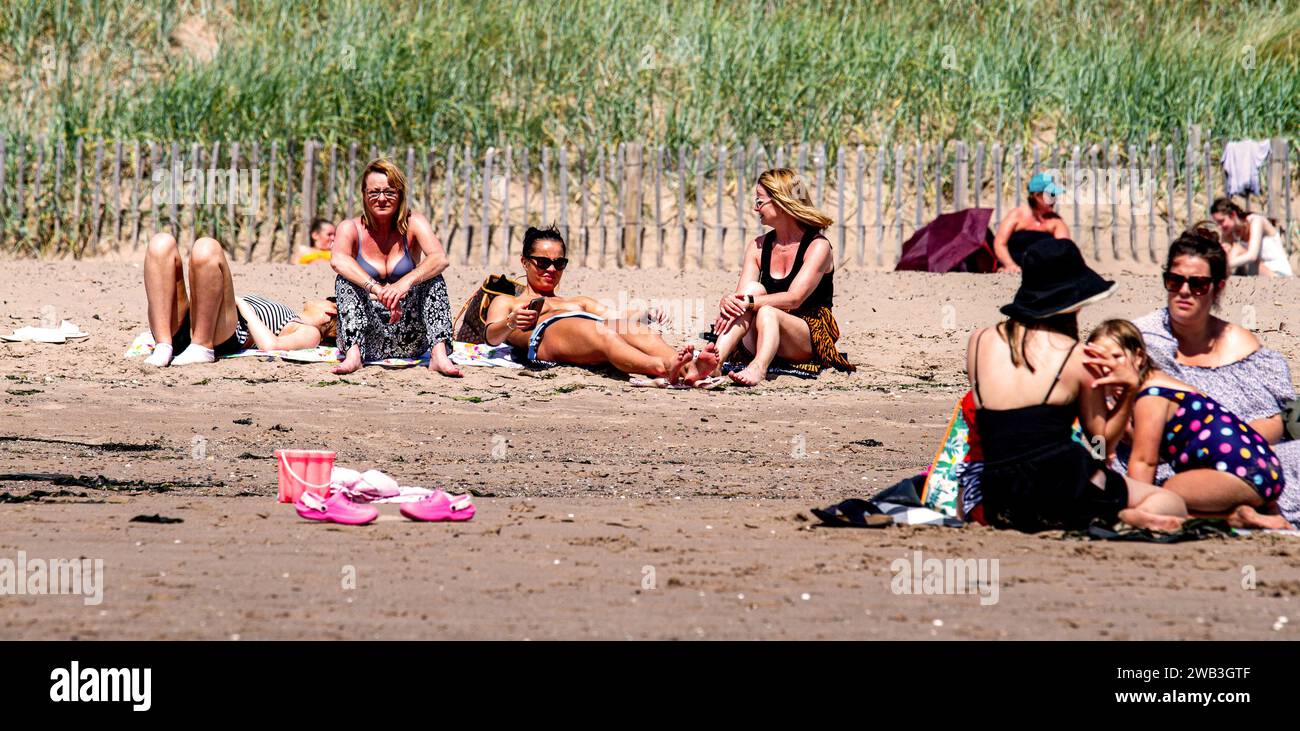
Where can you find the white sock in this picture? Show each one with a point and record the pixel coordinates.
(162, 355)
(195, 353)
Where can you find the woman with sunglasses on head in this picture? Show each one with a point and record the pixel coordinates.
(392, 299)
(1253, 241)
(1037, 220)
(1219, 358)
(579, 330)
(786, 315)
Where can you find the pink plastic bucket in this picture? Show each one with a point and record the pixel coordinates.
(304, 470)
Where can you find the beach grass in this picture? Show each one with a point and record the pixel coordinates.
(582, 72)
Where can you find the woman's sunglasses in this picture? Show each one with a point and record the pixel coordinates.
(544, 263)
(1198, 285)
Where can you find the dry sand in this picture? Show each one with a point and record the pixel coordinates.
(616, 512)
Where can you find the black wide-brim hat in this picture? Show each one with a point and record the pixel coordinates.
(1054, 281)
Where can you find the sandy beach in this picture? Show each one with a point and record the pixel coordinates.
(611, 512)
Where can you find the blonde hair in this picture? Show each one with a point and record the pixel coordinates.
(396, 179)
(792, 195)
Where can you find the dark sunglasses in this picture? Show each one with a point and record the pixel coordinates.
(544, 263)
(1198, 285)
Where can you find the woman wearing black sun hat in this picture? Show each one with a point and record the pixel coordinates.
(1031, 380)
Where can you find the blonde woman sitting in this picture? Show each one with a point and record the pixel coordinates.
(782, 303)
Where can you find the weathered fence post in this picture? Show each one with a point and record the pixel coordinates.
(631, 183)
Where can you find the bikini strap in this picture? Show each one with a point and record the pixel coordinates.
(975, 370)
(1059, 371)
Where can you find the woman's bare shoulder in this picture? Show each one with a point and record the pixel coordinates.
(1237, 342)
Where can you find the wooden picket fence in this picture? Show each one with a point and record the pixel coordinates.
(625, 205)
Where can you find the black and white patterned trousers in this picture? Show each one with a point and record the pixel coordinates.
(425, 321)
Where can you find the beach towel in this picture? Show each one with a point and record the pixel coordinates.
(897, 505)
(465, 354)
(1192, 530)
(715, 383)
(777, 368)
(942, 481)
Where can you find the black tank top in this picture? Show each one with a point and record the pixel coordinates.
(1020, 434)
(820, 297)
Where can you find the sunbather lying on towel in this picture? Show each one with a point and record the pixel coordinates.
(580, 330)
(209, 320)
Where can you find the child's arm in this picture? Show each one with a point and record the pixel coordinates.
(1095, 415)
(1148, 426)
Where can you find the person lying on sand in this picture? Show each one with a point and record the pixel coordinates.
(391, 296)
(788, 314)
(579, 330)
(1031, 381)
(210, 321)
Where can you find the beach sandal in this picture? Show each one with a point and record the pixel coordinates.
(337, 508)
(853, 513)
(440, 506)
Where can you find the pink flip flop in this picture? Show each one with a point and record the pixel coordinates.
(337, 508)
(440, 506)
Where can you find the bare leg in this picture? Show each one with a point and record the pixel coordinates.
(213, 315)
(164, 287)
(586, 342)
(728, 341)
(1211, 491)
(1152, 507)
(643, 338)
(777, 333)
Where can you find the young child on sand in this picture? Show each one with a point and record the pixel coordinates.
(1222, 466)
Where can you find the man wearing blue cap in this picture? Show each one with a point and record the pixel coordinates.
(1026, 225)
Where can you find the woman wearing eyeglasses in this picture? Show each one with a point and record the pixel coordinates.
(392, 299)
(786, 315)
(1221, 359)
(1037, 220)
(553, 329)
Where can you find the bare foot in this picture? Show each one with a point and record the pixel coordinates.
(351, 363)
(685, 357)
(1247, 517)
(1151, 521)
(751, 376)
(706, 364)
(442, 364)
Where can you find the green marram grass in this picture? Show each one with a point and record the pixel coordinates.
(584, 72)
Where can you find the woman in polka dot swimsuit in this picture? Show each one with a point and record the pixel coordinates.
(1219, 461)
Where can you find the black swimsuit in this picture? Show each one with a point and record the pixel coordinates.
(1020, 242)
(822, 296)
(1036, 477)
